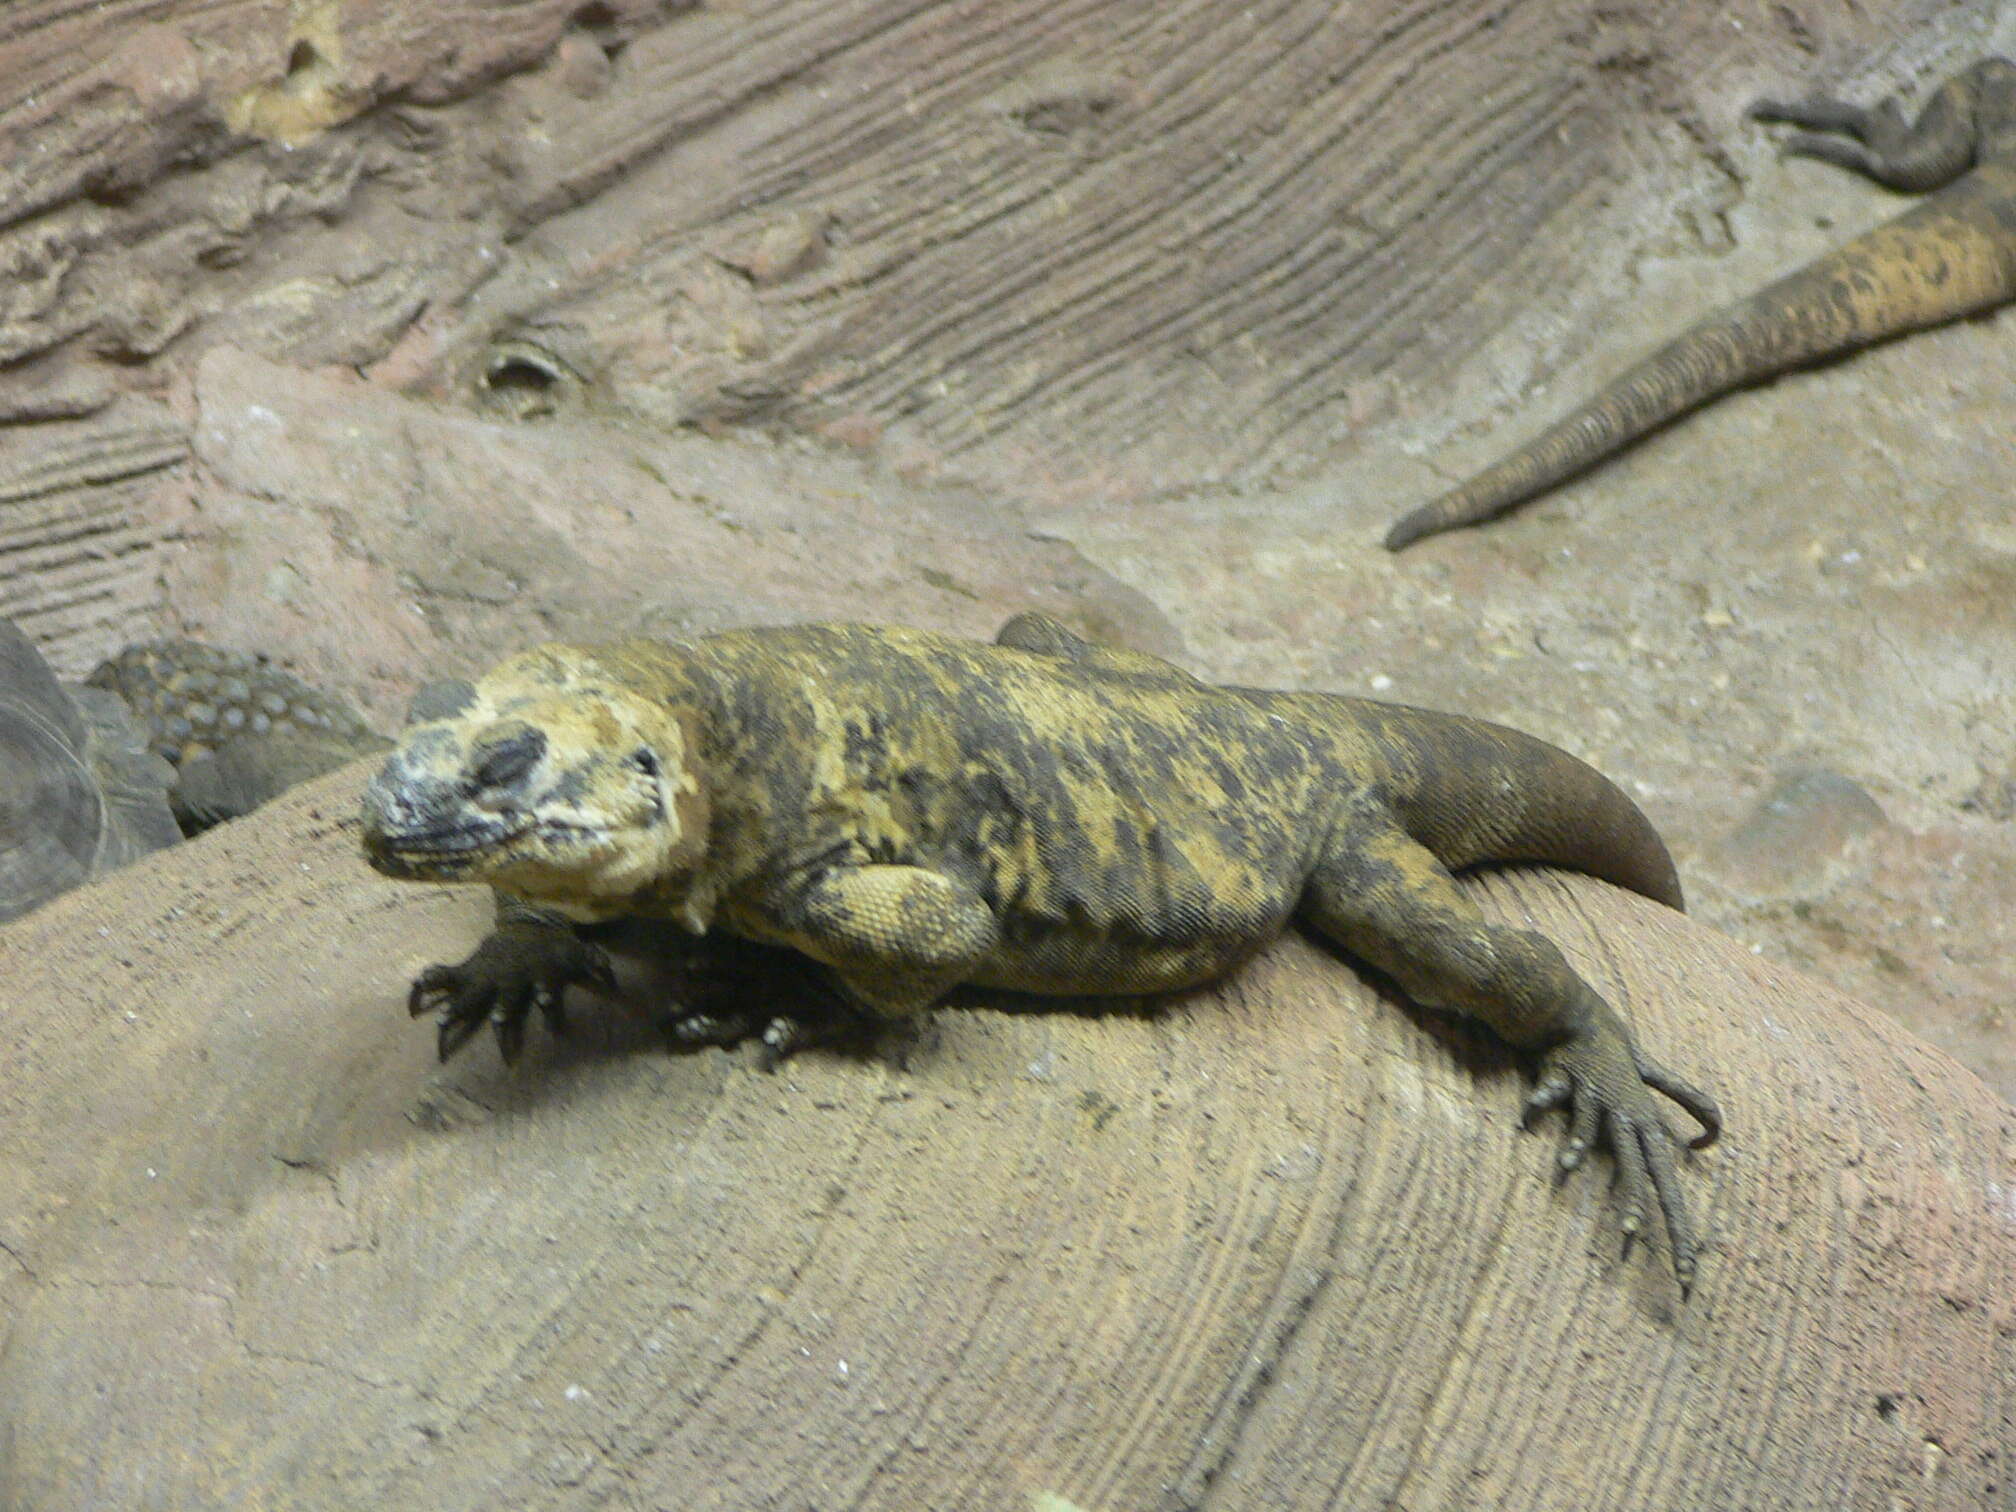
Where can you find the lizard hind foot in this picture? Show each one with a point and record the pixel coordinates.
(736, 991)
(1607, 1091)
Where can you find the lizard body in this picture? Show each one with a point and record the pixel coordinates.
(914, 812)
(1952, 255)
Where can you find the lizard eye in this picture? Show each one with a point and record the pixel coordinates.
(645, 760)
(510, 761)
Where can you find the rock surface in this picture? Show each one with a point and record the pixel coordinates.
(1273, 1245)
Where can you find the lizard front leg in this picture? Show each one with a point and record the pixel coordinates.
(894, 940)
(1386, 899)
(528, 961)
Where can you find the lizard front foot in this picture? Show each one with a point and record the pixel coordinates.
(1606, 1085)
(779, 1036)
(517, 969)
(736, 991)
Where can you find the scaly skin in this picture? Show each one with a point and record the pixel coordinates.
(237, 729)
(914, 812)
(1952, 255)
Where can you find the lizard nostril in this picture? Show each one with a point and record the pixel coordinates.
(509, 761)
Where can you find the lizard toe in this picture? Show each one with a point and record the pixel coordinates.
(1555, 1091)
(1698, 1104)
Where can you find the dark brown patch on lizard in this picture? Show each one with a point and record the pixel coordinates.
(1952, 255)
(914, 812)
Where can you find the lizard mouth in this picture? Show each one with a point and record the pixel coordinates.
(477, 843)
(441, 849)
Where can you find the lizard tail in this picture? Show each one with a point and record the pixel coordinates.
(1476, 793)
(1953, 255)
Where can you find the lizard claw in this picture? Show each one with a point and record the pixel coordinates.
(428, 987)
(455, 1031)
(510, 1030)
(1554, 1091)
(708, 1027)
(553, 1007)
(782, 1038)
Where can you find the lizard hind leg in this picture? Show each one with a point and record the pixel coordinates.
(1881, 143)
(1033, 630)
(1389, 901)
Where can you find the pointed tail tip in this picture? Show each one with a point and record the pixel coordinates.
(1410, 528)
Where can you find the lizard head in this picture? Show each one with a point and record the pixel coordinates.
(551, 780)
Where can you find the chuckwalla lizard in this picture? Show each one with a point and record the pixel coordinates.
(1953, 254)
(914, 812)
